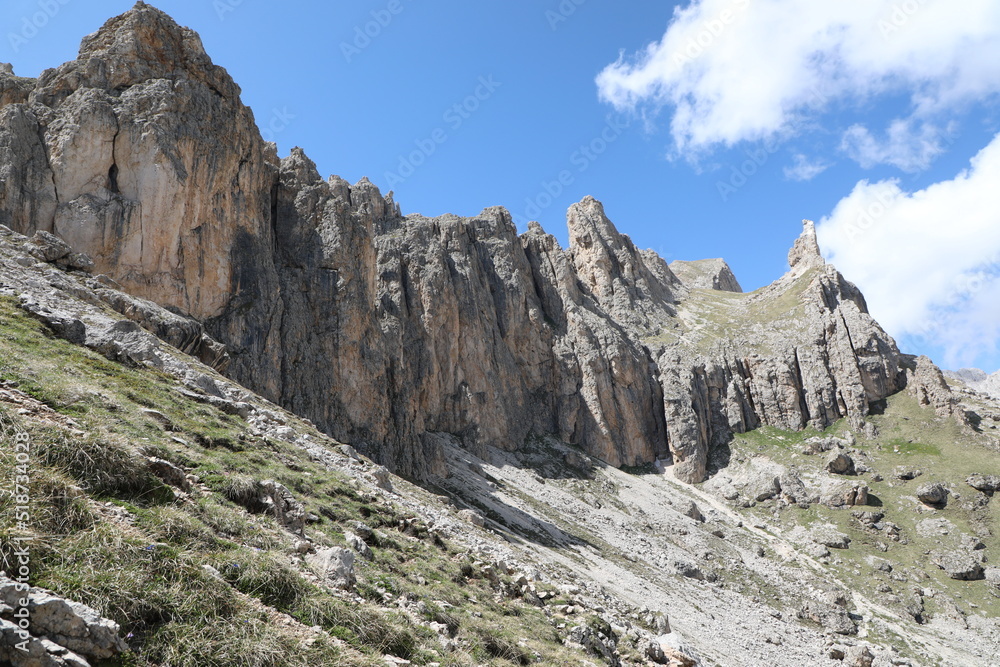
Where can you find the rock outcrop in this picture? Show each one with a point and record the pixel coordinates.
(387, 330)
(927, 383)
(58, 633)
(706, 274)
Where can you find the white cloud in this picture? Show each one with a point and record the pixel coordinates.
(927, 261)
(804, 169)
(904, 146)
(735, 70)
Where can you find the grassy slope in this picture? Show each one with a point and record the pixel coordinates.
(708, 318)
(913, 437)
(109, 534)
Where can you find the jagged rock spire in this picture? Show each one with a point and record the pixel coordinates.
(805, 253)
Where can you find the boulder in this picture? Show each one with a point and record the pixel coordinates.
(691, 510)
(818, 445)
(363, 531)
(334, 566)
(596, 643)
(868, 519)
(349, 452)
(688, 569)
(169, 473)
(670, 649)
(359, 545)
(830, 537)
(933, 494)
(793, 489)
(838, 494)
(906, 473)
(760, 480)
(839, 463)
(961, 564)
(48, 247)
(383, 479)
(988, 484)
(472, 516)
(858, 656)
(831, 617)
(279, 502)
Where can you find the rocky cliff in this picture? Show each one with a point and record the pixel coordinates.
(389, 331)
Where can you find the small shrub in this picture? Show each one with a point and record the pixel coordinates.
(60, 508)
(103, 467)
(261, 575)
(365, 628)
(169, 524)
(497, 645)
(242, 490)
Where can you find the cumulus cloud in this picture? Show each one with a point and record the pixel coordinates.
(905, 146)
(804, 169)
(734, 70)
(927, 261)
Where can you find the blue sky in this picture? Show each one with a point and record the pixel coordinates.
(708, 128)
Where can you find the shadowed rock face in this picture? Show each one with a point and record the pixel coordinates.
(388, 330)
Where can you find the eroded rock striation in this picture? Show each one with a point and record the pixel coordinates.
(388, 330)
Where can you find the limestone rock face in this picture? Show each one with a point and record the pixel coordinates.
(334, 566)
(805, 254)
(140, 154)
(393, 332)
(801, 351)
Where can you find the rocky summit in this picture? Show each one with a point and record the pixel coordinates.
(279, 420)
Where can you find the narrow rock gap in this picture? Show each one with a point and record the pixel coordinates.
(113, 179)
(803, 401)
(113, 170)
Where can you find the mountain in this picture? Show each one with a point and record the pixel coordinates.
(978, 380)
(388, 330)
(592, 437)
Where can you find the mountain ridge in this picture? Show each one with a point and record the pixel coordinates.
(140, 155)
